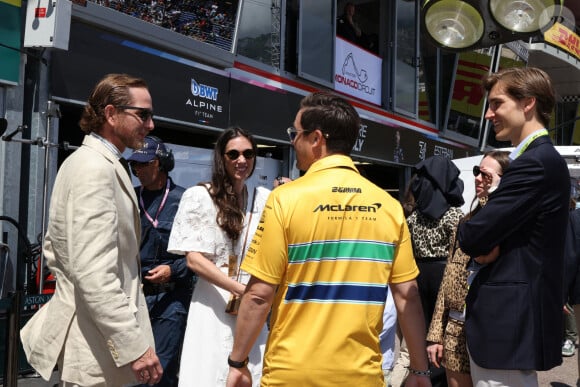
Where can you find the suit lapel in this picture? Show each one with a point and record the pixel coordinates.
(126, 184)
(98, 146)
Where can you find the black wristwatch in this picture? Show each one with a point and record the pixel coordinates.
(238, 364)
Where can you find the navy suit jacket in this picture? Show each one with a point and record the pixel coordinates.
(572, 260)
(514, 305)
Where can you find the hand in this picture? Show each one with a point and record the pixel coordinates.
(239, 289)
(435, 353)
(239, 377)
(489, 257)
(159, 274)
(147, 368)
(281, 180)
(490, 177)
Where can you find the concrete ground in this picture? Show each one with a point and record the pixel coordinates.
(562, 376)
(565, 375)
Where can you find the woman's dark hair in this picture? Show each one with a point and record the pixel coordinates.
(230, 217)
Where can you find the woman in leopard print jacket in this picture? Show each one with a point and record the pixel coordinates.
(446, 332)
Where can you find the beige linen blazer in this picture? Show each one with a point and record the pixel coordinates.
(97, 322)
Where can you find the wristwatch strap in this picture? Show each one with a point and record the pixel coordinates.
(238, 364)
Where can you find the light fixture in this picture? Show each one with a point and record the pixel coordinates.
(522, 15)
(461, 25)
(453, 23)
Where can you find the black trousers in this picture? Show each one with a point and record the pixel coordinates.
(429, 281)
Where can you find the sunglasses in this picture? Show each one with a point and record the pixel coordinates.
(293, 133)
(235, 154)
(477, 171)
(143, 113)
(134, 165)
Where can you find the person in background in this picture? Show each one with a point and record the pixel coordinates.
(167, 282)
(387, 337)
(213, 228)
(446, 333)
(572, 269)
(569, 329)
(96, 325)
(435, 199)
(279, 180)
(347, 27)
(398, 152)
(400, 371)
(570, 332)
(327, 246)
(519, 236)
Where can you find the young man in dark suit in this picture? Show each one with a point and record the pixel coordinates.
(514, 305)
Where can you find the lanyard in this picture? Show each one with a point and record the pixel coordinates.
(541, 133)
(154, 222)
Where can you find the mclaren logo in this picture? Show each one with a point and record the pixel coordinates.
(347, 208)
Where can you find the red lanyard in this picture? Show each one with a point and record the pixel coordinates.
(154, 222)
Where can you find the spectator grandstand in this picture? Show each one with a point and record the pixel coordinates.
(212, 22)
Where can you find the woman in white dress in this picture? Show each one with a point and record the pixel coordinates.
(215, 222)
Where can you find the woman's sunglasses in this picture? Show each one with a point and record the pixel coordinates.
(477, 171)
(235, 154)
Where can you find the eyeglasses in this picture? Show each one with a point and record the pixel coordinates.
(143, 113)
(136, 164)
(235, 154)
(477, 171)
(293, 133)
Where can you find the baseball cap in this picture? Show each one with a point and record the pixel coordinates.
(152, 147)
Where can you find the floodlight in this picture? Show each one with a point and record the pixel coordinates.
(522, 15)
(453, 23)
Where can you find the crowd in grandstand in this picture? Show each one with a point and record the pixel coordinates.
(212, 22)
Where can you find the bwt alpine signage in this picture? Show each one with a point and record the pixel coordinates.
(357, 72)
(204, 102)
(181, 90)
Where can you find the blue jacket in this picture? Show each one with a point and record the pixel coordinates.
(154, 240)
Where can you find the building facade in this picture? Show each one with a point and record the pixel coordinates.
(214, 64)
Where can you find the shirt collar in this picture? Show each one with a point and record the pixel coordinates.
(332, 161)
(109, 145)
(526, 142)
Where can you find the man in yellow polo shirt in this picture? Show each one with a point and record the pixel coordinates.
(327, 246)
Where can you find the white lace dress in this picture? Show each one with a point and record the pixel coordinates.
(209, 333)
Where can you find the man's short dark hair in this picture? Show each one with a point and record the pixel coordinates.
(334, 116)
(525, 82)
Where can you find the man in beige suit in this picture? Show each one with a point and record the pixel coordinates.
(96, 326)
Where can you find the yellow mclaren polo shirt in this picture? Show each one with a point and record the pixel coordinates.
(332, 241)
